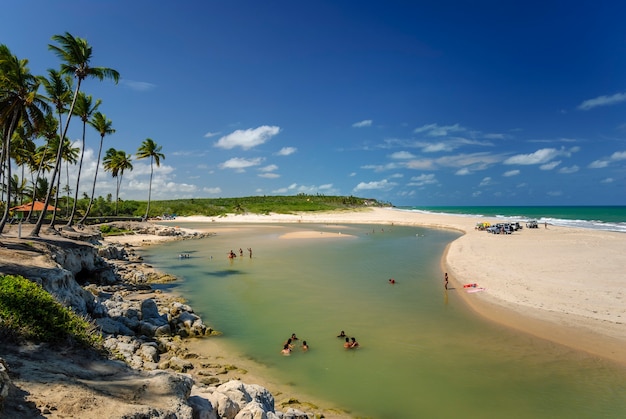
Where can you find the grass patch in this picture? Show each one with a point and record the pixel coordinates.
(29, 312)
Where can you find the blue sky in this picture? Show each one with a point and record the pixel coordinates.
(414, 103)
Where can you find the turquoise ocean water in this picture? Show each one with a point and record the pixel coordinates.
(611, 218)
(423, 353)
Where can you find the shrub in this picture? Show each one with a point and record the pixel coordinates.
(27, 310)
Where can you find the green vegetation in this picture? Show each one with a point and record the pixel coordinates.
(28, 312)
(105, 209)
(214, 207)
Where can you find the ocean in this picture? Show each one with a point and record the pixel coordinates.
(609, 218)
(423, 352)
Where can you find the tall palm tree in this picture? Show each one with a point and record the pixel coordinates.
(58, 88)
(150, 149)
(76, 54)
(19, 103)
(70, 155)
(104, 126)
(116, 162)
(84, 108)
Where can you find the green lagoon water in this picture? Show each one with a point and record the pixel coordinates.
(423, 353)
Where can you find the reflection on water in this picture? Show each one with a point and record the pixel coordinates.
(422, 353)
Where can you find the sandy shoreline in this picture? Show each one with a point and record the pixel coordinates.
(562, 284)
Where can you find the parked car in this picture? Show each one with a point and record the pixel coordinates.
(532, 224)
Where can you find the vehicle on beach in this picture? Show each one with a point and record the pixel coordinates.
(532, 224)
(501, 228)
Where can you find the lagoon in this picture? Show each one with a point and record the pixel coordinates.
(423, 352)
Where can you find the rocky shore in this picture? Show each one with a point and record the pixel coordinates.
(145, 368)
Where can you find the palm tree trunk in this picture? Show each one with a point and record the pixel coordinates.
(70, 221)
(7, 159)
(145, 218)
(35, 231)
(95, 177)
(117, 192)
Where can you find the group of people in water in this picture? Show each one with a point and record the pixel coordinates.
(290, 344)
(233, 255)
(351, 342)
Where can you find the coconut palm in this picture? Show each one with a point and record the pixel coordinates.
(84, 108)
(116, 162)
(70, 155)
(104, 126)
(150, 149)
(19, 104)
(76, 54)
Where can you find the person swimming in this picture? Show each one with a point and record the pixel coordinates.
(354, 344)
(294, 337)
(342, 334)
(347, 345)
(286, 350)
(305, 347)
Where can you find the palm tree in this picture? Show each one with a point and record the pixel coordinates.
(116, 162)
(58, 88)
(76, 54)
(105, 127)
(150, 149)
(84, 108)
(19, 103)
(70, 155)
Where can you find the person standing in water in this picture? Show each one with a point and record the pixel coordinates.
(445, 280)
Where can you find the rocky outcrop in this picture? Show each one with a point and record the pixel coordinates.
(141, 326)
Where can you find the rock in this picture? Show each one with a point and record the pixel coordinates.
(202, 408)
(179, 365)
(5, 382)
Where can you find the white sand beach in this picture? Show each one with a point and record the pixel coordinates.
(566, 285)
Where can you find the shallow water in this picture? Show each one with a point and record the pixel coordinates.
(422, 354)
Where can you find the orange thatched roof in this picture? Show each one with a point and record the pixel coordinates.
(38, 206)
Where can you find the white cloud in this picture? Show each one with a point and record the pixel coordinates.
(375, 185)
(213, 191)
(568, 170)
(495, 136)
(239, 164)
(285, 151)
(268, 168)
(249, 138)
(437, 147)
(421, 180)
(607, 180)
(486, 181)
(602, 101)
(555, 193)
(211, 134)
(550, 166)
(511, 173)
(401, 155)
(434, 130)
(600, 164)
(140, 86)
(269, 175)
(541, 156)
(618, 155)
(309, 189)
(423, 164)
(364, 123)
(463, 172)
